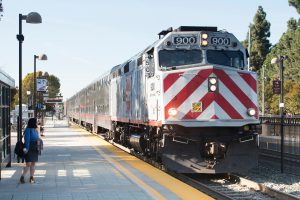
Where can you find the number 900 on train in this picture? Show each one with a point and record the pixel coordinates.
(187, 101)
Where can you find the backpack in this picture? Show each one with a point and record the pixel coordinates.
(19, 149)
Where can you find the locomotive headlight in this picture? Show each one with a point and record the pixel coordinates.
(204, 43)
(213, 80)
(213, 88)
(172, 112)
(251, 112)
(204, 36)
(212, 84)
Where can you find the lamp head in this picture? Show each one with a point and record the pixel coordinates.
(274, 61)
(34, 18)
(43, 57)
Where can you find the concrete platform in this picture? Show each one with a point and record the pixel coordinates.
(78, 165)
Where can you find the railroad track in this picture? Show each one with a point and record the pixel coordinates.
(232, 187)
(225, 187)
(276, 155)
(291, 162)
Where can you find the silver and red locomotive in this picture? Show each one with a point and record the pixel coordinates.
(187, 100)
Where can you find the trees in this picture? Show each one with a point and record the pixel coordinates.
(14, 97)
(289, 44)
(1, 9)
(28, 85)
(260, 31)
(296, 4)
(53, 86)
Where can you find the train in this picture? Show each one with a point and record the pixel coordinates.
(188, 101)
(7, 84)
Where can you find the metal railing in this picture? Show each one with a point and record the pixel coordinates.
(270, 139)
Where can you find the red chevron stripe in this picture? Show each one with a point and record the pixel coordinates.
(170, 79)
(227, 107)
(206, 100)
(214, 117)
(250, 80)
(220, 100)
(236, 90)
(187, 90)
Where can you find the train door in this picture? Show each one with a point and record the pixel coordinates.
(152, 87)
(94, 128)
(127, 92)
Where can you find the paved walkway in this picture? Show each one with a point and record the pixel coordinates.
(76, 165)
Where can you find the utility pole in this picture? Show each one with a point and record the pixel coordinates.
(281, 106)
(263, 91)
(249, 48)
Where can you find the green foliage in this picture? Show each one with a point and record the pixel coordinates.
(28, 85)
(14, 98)
(53, 86)
(260, 45)
(289, 44)
(296, 4)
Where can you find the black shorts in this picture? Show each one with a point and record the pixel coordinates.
(32, 154)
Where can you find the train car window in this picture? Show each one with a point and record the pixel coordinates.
(172, 58)
(227, 58)
(140, 61)
(126, 68)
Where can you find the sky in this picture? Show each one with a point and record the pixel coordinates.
(84, 39)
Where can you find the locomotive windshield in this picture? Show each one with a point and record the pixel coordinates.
(228, 58)
(172, 58)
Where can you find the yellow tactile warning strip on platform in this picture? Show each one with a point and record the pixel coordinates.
(179, 188)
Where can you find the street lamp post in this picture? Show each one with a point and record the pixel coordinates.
(28, 96)
(33, 18)
(263, 91)
(41, 57)
(281, 105)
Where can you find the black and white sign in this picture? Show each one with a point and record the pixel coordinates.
(222, 41)
(276, 87)
(41, 85)
(185, 40)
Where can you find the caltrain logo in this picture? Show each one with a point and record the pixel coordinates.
(210, 94)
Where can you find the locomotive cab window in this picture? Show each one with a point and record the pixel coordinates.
(228, 58)
(126, 68)
(173, 58)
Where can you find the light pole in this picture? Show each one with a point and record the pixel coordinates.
(249, 48)
(263, 91)
(281, 104)
(28, 96)
(33, 18)
(41, 57)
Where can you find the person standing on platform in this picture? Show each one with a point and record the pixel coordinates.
(31, 137)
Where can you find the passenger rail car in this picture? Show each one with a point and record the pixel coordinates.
(7, 83)
(187, 100)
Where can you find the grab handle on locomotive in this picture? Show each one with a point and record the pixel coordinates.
(180, 140)
(246, 139)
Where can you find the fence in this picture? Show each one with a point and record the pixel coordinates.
(270, 134)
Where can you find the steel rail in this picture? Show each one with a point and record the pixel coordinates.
(205, 188)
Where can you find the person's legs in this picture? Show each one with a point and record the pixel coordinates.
(32, 170)
(24, 171)
(25, 168)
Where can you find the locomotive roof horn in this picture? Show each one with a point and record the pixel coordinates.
(187, 28)
(164, 32)
(196, 28)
